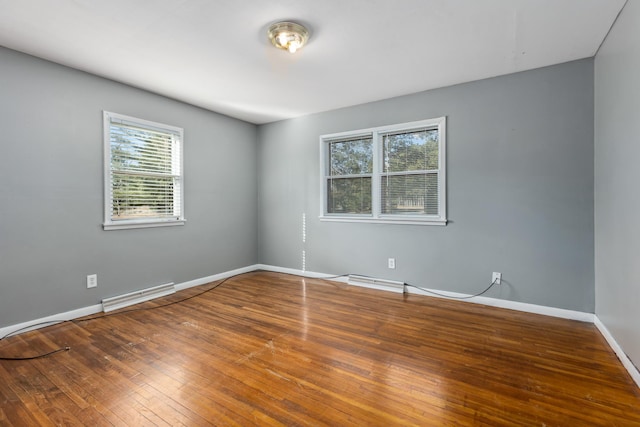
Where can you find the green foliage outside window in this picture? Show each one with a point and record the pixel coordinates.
(407, 186)
(142, 178)
(349, 185)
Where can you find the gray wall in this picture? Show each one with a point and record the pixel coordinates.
(617, 199)
(520, 191)
(51, 193)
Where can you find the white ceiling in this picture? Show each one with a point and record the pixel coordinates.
(215, 53)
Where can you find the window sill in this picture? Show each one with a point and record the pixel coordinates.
(141, 224)
(386, 220)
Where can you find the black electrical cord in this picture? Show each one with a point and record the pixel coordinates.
(118, 313)
(33, 326)
(452, 297)
(39, 356)
(404, 283)
(76, 321)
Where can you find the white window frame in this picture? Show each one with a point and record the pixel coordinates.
(377, 134)
(109, 224)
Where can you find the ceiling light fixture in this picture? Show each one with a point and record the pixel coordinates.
(288, 36)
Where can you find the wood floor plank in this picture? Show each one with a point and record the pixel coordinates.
(12, 407)
(275, 349)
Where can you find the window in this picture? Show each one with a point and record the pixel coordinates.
(386, 174)
(143, 173)
(350, 172)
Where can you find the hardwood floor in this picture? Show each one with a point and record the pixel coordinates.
(272, 349)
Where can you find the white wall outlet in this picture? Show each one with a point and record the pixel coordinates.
(392, 263)
(92, 281)
(496, 278)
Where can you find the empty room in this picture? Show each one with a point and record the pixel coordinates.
(340, 213)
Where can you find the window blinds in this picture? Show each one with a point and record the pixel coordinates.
(145, 172)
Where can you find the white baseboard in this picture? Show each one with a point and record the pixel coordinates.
(215, 277)
(514, 305)
(295, 272)
(93, 309)
(494, 302)
(626, 362)
(50, 320)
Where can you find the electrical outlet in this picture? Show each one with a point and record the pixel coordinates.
(392, 263)
(496, 278)
(92, 281)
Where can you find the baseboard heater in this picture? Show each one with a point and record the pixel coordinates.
(136, 297)
(368, 281)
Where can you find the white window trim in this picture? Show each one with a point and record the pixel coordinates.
(137, 223)
(376, 216)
